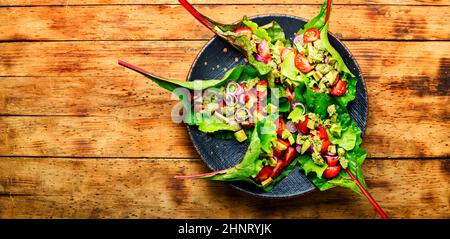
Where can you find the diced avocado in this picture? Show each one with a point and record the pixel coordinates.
(305, 146)
(314, 56)
(335, 130)
(322, 87)
(317, 158)
(221, 117)
(318, 44)
(240, 135)
(330, 77)
(261, 88)
(331, 109)
(332, 149)
(343, 161)
(266, 182)
(310, 124)
(291, 140)
(280, 146)
(341, 151)
(331, 61)
(317, 75)
(234, 124)
(285, 134)
(317, 144)
(324, 68)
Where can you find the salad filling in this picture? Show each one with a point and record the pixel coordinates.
(289, 103)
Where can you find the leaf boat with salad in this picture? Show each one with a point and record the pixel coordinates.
(289, 103)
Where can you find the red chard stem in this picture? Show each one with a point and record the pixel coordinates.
(200, 17)
(327, 16)
(367, 195)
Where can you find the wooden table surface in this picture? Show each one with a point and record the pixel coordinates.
(81, 137)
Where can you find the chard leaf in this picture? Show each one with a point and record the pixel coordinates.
(257, 31)
(248, 168)
(348, 137)
(275, 32)
(280, 177)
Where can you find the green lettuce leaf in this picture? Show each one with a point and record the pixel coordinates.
(288, 68)
(308, 166)
(248, 168)
(317, 102)
(348, 137)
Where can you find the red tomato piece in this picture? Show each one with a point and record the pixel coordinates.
(280, 126)
(302, 63)
(339, 89)
(264, 50)
(311, 35)
(322, 132)
(264, 174)
(285, 51)
(284, 142)
(289, 95)
(289, 155)
(331, 172)
(325, 144)
(303, 126)
(332, 161)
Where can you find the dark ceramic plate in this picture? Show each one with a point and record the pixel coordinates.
(220, 154)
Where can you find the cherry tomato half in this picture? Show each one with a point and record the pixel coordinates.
(332, 161)
(322, 132)
(264, 174)
(285, 51)
(289, 95)
(339, 89)
(311, 35)
(325, 144)
(303, 126)
(331, 172)
(302, 63)
(280, 126)
(264, 50)
(245, 31)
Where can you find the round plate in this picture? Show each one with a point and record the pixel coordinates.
(212, 62)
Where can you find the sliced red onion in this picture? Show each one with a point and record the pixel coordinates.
(230, 99)
(301, 105)
(291, 126)
(299, 39)
(238, 119)
(242, 99)
(326, 59)
(330, 154)
(237, 88)
(275, 157)
(298, 148)
(261, 59)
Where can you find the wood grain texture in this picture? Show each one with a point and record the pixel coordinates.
(150, 22)
(254, 2)
(143, 188)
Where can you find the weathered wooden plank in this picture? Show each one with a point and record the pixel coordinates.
(254, 2)
(172, 59)
(141, 188)
(138, 22)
